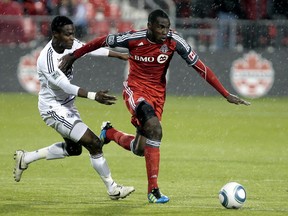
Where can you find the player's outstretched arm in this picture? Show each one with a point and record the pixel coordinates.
(68, 60)
(236, 100)
(211, 78)
(122, 56)
(100, 96)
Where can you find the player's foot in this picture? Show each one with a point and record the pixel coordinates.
(104, 127)
(20, 165)
(121, 192)
(157, 197)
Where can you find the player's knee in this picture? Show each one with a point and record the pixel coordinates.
(157, 131)
(97, 143)
(73, 149)
(94, 145)
(94, 149)
(144, 112)
(153, 129)
(91, 142)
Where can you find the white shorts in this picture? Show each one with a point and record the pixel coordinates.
(66, 121)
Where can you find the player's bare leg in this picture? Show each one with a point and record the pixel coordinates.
(93, 144)
(145, 144)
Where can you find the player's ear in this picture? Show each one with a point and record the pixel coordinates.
(55, 34)
(149, 25)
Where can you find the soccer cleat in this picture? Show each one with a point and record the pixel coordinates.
(121, 192)
(157, 197)
(20, 165)
(104, 127)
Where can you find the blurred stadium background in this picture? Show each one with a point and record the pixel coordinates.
(223, 32)
(207, 142)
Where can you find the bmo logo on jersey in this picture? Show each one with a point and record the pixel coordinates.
(144, 58)
(160, 59)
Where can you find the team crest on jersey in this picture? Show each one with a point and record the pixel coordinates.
(252, 76)
(27, 71)
(164, 48)
(70, 115)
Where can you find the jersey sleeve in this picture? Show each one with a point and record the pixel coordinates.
(98, 52)
(185, 50)
(90, 46)
(112, 40)
(119, 40)
(207, 74)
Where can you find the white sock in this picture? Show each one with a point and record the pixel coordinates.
(100, 165)
(55, 151)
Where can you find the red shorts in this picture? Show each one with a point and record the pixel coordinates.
(133, 95)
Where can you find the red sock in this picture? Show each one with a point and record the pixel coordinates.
(152, 158)
(120, 138)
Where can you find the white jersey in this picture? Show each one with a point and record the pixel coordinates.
(51, 95)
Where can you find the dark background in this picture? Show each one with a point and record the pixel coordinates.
(108, 73)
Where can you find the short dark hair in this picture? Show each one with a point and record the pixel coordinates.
(58, 22)
(155, 14)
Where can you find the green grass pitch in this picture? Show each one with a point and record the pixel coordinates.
(207, 142)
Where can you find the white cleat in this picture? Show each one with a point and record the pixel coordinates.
(121, 192)
(20, 165)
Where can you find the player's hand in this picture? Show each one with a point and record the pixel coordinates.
(66, 62)
(236, 100)
(103, 98)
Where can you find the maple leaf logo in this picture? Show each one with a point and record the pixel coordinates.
(27, 72)
(252, 76)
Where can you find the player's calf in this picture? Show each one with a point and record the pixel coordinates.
(137, 145)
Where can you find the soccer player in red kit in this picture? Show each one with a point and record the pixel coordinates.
(150, 53)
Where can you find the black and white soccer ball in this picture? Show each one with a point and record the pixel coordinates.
(232, 195)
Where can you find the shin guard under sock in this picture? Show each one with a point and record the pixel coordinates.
(152, 158)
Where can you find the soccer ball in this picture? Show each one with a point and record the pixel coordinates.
(232, 195)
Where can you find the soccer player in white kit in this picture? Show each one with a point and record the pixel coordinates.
(57, 109)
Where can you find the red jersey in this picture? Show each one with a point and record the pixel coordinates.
(149, 61)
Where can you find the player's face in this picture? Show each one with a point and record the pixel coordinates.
(66, 37)
(158, 30)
